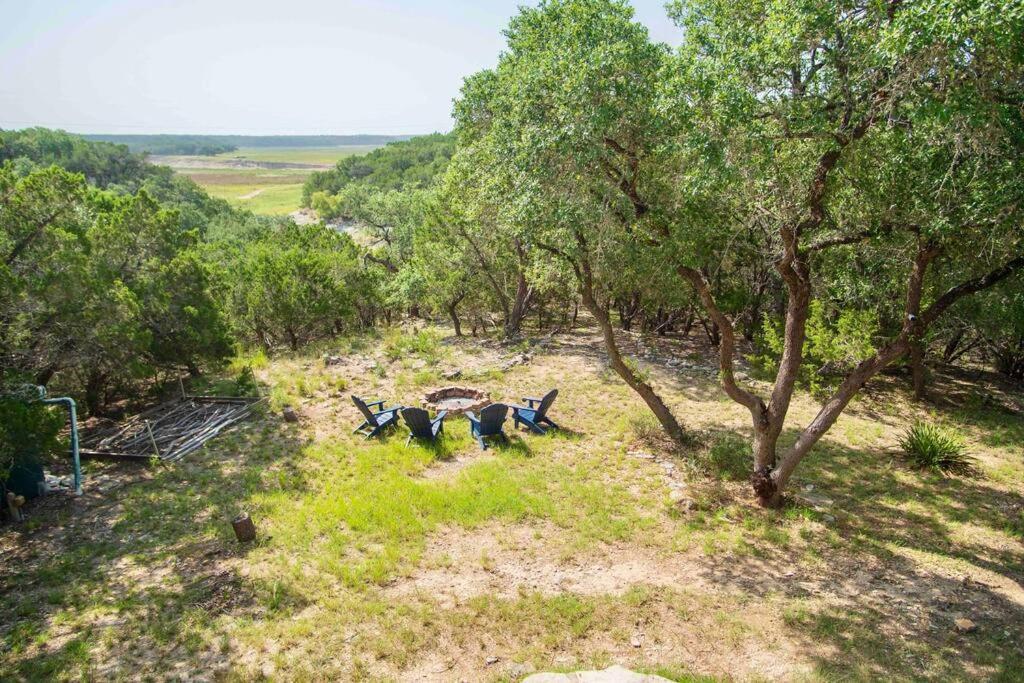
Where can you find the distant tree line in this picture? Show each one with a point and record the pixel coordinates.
(209, 145)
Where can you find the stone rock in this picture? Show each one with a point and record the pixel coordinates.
(816, 501)
(452, 374)
(333, 360)
(643, 455)
(517, 670)
(635, 641)
(676, 496)
(613, 674)
(289, 414)
(518, 359)
(492, 660)
(965, 625)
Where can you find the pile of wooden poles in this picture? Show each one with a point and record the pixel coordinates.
(169, 431)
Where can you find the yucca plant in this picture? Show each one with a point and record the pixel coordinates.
(931, 447)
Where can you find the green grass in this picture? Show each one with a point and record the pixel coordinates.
(263, 191)
(149, 579)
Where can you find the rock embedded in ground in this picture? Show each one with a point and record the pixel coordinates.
(965, 625)
(613, 674)
(643, 455)
(289, 414)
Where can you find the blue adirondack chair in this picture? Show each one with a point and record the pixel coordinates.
(535, 412)
(377, 421)
(488, 424)
(421, 426)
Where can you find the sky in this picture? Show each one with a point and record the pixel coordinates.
(251, 67)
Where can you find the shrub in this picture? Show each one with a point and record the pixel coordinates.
(28, 431)
(837, 339)
(932, 447)
(646, 429)
(729, 457)
(424, 344)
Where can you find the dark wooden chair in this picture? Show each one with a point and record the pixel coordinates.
(489, 424)
(376, 421)
(535, 412)
(421, 426)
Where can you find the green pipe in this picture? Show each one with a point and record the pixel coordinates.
(69, 403)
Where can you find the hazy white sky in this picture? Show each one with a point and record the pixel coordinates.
(249, 66)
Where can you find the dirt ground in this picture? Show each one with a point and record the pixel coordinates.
(379, 562)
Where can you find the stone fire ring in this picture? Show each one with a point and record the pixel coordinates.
(456, 400)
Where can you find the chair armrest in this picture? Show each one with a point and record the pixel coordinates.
(472, 417)
(440, 416)
(388, 411)
(516, 408)
(531, 401)
(370, 404)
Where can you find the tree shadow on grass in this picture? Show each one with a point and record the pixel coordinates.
(148, 566)
(905, 554)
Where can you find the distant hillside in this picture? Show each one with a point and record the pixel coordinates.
(216, 144)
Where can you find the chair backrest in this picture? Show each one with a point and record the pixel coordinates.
(492, 417)
(418, 421)
(367, 413)
(546, 402)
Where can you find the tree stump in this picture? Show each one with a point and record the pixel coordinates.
(244, 528)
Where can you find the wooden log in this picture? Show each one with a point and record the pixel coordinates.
(245, 530)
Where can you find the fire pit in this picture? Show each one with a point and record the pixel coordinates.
(456, 400)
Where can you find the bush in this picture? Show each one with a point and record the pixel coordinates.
(424, 344)
(932, 447)
(646, 429)
(28, 431)
(837, 339)
(729, 457)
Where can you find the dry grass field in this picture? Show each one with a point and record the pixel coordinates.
(264, 180)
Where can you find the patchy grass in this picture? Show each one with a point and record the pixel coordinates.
(566, 551)
(271, 191)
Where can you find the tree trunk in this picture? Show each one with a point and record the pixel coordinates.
(520, 305)
(917, 369)
(456, 323)
(44, 376)
(94, 386)
(661, 411)
(949, 352)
